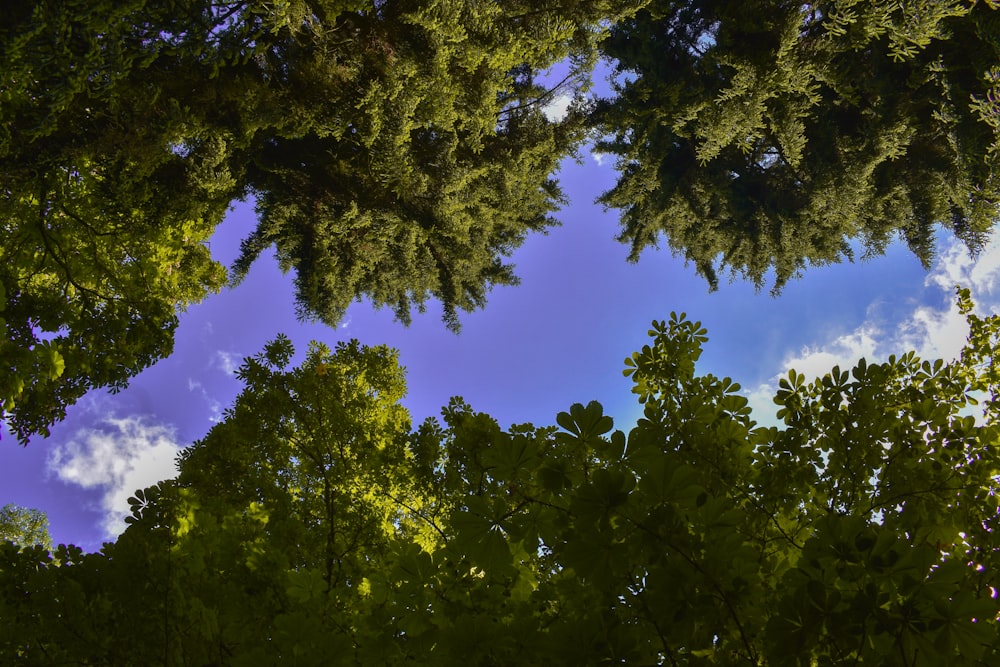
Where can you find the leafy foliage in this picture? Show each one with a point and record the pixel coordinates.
(767, 135)
(412, 153)
(314, 525)
(104, 226)
(397, 151)
(24, 526)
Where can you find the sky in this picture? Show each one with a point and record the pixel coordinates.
(558, 338)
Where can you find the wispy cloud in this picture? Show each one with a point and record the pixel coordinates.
(557, 108)
(228, 361)
(979, 274)
(600, 158)
(117, 457)
(933, 332)
(214, 405)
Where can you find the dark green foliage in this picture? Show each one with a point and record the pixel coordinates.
(104, 219)
(403, 153)
(767, 135)
(397, 152)
(314, 526)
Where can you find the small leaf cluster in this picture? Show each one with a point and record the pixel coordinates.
(24, 526)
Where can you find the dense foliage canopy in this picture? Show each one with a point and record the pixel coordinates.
(315, 526)
(396, 151)
(399, 151)
(767, 135)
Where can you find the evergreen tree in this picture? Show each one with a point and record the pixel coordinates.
(397, 151)
(768, 135)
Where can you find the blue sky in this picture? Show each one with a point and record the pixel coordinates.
(558, 338)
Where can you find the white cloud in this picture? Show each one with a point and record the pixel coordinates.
(932, 332)
(600, 158)
(229, 362)
(214, 406)
(558, 107)
(118, 457)
(979, 274)
(843, 351)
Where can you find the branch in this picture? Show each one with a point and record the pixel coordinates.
(711, 581)
(544, 96)
(419, 514)
(893, 500)
(656, 626)
(81, 221)
(62, 264)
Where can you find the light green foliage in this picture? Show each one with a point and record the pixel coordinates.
(317, 453)
(24, 527)
(314, 526)
(104, 225)
(397, 151)
(89, 295)
(759, 136)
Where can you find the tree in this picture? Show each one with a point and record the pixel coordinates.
(767, 136)
(440, 169)
(308, 458)
(314, 525)
(24, 526)
(104, 225)
(396, 151)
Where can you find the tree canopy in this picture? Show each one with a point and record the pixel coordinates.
(767, 136)
(399, 151)
(314, 525)
(24, 526)
(396, 151)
